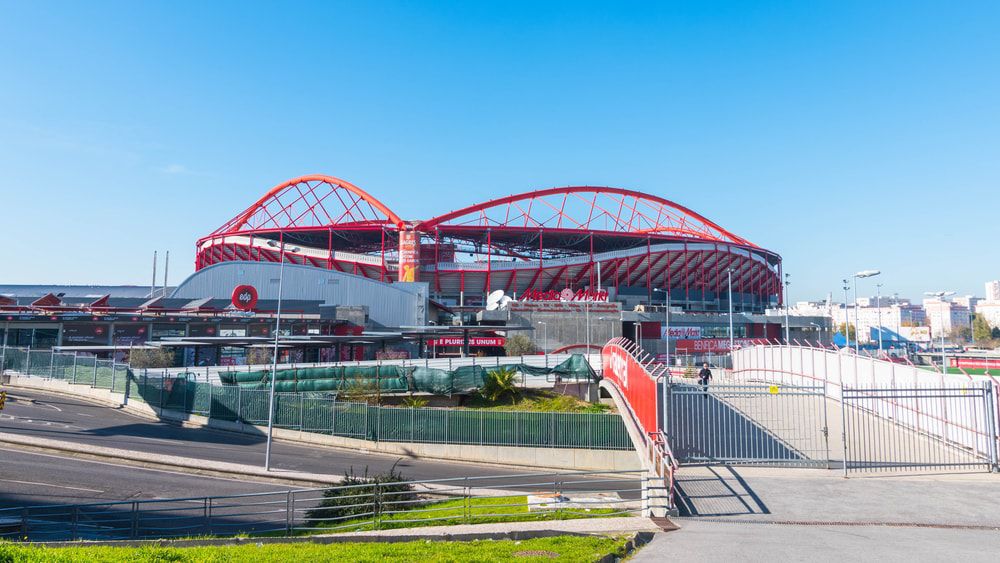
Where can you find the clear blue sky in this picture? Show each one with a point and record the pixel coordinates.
(843, 135)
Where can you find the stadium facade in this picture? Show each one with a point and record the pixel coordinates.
(628, 243)
(576, 265)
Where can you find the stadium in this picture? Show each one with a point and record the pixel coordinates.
(617, 242)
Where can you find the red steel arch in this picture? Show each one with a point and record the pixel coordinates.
(588, 208)
(312, 201)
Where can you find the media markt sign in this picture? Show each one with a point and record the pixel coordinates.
(565, 295)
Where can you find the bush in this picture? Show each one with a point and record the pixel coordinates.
(151, 358)
(414, 402)
(498, 383)
(519, 345)
(258, 356)
(361, 496)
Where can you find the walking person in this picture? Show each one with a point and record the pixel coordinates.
(704, 376)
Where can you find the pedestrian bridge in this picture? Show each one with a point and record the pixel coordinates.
(795, 406)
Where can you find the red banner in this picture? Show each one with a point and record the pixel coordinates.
(715, 345)
(974, 363)
(409, 256)
(473, 341)
(633, 381)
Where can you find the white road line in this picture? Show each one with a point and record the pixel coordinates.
(50, 485)
(244, 480)
(48, 405)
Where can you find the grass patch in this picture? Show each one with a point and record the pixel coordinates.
(538, 400)
(460, 511)
(563, 548)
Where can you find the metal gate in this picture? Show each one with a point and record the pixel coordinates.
(919, 429)
(747, 424)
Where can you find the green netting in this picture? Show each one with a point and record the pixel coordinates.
(397, 379)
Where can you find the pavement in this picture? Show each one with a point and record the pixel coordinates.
(750, 514)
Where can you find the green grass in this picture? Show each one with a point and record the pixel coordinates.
(565, 548)
(454, 512)
(970, 371)
(537, 401)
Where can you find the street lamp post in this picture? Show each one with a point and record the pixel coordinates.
(857, 334)
(878, 306)
(941, 295)
(274, 359)
(666, 321)
(729, 275)
(545, 337)
(847, 327)
(819, 329)
(787, 283)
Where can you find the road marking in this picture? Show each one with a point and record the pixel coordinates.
(51, 485)
(47, 405)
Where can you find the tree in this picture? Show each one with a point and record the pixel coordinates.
(960, 334)
(981, 331)
(850, 330)
(519, 345)
(151, 358)
(995, 333)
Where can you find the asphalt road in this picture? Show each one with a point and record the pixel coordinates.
(34, 413)
(29, 478)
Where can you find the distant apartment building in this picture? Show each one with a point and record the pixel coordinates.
(945, 316)
(993, 290)
(893, 318)
(990, 310)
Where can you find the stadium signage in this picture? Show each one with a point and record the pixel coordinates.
(473, 341)
(682, 332)
(715, 345)
(974, 363)
(565, 295)
(245, 297)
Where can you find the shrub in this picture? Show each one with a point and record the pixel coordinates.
(151, 358)
(361, 495)
(519, 345)
(258, 356)
(414, 402)
(499, 383)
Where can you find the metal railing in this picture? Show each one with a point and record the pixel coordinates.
(369, 505)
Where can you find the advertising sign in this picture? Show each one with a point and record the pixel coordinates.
(634, 382)
(974, 363)
(245, 297)
(715, 345)
(681, 332)
(473, 341)
(85, 333)
(126, 334)
(916, 333)
(409, 255)
(566, 294)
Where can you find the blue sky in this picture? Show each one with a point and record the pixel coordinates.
(843, 135)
